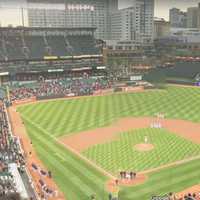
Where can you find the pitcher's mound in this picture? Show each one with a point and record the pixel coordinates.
(144, 147)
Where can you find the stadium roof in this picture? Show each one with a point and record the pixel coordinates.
(59, 1)
(47, 28)
(46, 1)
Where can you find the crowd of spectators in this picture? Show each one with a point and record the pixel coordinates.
(192, 196)
(60, 87)
(188, 196)
(22, 93)
(9, 153)
(9, 146)
(7, 185)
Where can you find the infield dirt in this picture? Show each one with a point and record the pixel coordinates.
(83, 140)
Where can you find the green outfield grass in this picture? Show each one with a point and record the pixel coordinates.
(120, 154)
(47, 121)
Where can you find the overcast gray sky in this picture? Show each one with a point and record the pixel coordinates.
(13, 16)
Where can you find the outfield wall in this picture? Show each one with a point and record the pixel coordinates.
(71, 96)
(23, 101)
(181, 73)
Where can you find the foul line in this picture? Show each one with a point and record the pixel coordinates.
(73, 150)
(180, 162)
(86, 159)
(100, 169)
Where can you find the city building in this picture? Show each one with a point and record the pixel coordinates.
(123, 24)
(186, 35)
(177, 18)
(146, 20)
(133, 24)
(161, 28)
(68, 14)
(193, 17)
(132, 27)
(198, 17)
(180, 42)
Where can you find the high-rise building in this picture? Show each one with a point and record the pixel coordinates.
(178, 18)
(198, 19)
(146, 20)
(122, 24)
(161, 28)
(193, 14)
(134, 23)
(76, 13)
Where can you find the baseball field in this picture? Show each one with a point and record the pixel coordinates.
(86, 141)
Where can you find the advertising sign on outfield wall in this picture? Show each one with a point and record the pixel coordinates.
(136, 78)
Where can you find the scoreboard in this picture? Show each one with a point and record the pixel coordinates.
(136, 78)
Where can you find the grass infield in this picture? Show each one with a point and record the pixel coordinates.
(120, 154)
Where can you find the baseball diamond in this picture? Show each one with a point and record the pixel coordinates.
(80, 173)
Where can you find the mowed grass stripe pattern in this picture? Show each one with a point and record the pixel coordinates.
(172, 179)
(121, 154)
(64, 117)
(75, 178)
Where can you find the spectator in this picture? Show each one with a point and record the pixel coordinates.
(61, 87)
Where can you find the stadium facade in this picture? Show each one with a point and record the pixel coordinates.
(28, 53)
